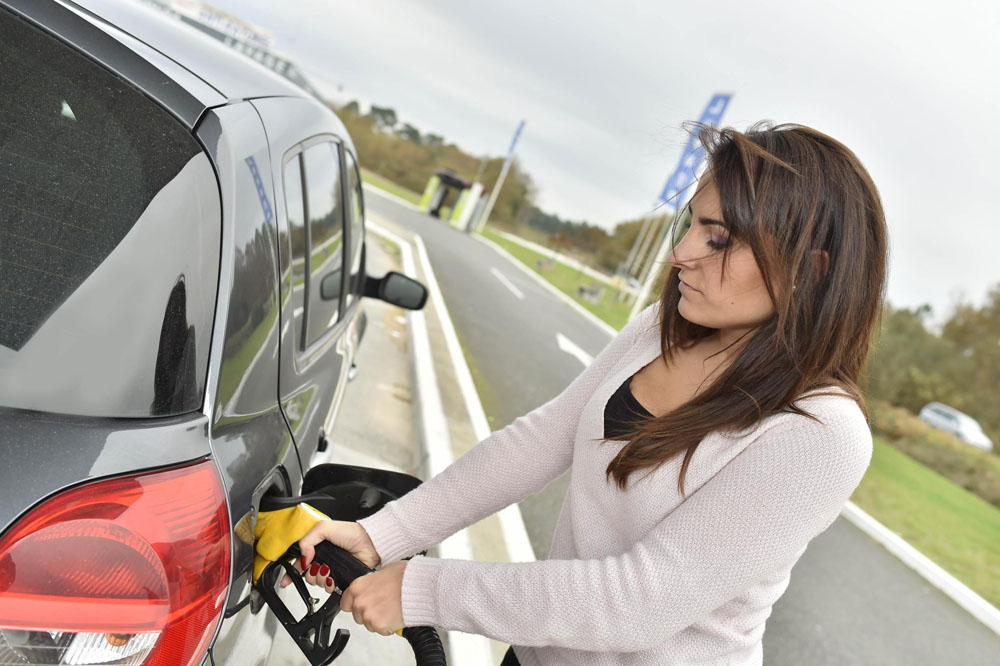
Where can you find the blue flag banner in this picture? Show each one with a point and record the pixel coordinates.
(513, 142)
(693, 154)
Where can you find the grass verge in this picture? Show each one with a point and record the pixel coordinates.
(382, 183)
(954, 528)
(568, 280)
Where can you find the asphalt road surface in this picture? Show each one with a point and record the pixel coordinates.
(849, 601)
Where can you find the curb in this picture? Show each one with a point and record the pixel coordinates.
(971, 602)
(515, 534)
(435, 442)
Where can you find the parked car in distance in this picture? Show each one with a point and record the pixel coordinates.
(956, 423)
(182, 273)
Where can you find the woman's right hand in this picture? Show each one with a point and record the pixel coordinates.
(348, 535)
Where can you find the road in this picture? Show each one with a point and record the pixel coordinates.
(849, 601)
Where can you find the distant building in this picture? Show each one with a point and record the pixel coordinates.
(239, 35)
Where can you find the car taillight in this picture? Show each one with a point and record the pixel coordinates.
(131, 570)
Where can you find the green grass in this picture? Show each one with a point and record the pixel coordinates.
(382, 183)
(954, 528)
(567, 279)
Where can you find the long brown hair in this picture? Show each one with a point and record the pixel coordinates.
(791, 193)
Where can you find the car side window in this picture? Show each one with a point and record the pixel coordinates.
(325, 238)
(296, 215)
(357, 213)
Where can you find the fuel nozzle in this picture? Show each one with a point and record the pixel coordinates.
(281, 523)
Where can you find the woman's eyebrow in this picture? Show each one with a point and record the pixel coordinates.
(709, 220)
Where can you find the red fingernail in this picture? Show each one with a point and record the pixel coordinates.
(303, 558)
(313, 569)
(324, 570)
(329, 582)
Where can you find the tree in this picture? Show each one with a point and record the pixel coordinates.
(909, 366)
(410, 132)
(975, 335)
(385, 117)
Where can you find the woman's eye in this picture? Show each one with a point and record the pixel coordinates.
(718, 242)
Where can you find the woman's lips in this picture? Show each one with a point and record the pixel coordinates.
(684, 286)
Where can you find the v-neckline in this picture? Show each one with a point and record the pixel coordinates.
(637, 362)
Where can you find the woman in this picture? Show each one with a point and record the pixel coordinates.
(711, 440)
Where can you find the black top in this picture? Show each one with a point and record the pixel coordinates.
(623, 412)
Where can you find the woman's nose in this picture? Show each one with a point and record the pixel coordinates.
(680, 254)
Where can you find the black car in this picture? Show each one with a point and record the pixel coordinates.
(182, 267)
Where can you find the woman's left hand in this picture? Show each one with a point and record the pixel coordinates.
(376, 600)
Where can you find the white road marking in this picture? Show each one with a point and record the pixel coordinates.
(573, 350)
(545, 284)
(507, 283)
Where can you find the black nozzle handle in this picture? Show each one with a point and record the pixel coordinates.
(345, 569)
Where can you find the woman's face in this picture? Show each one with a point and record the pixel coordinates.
(734, 303)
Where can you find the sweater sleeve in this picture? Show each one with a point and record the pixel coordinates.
(504, 468)
(753, 518)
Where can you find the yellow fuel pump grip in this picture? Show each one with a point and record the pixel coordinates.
(275, 531)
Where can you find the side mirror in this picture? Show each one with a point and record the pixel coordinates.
(397, 289)
(329, 286)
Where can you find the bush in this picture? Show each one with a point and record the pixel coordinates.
(975, 470)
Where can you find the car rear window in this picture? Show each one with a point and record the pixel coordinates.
(109, 236)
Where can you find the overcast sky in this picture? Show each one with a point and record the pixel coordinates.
(911, 87)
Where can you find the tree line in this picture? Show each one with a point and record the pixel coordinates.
(400, 152)
(960, 366)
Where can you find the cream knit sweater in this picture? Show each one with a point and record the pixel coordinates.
(636, 577)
